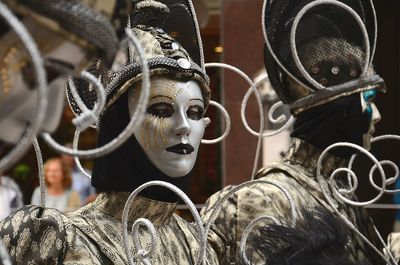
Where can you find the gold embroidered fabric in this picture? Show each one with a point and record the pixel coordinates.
(297, 174)
(93, 234)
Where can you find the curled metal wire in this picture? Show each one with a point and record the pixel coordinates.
(388, 163)
(227, 126)
(296, 21)
(340, 193)
(259, 103)
(4, 257)
(42, 96)
(271, 112)
(219, 204)
(88, 117)
(76, 159)
(143, 255)
(136, 119)
(39, 159)
(375, 32)
(247, 231)
(149, 225)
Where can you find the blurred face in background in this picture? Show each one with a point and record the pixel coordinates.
(53, 173)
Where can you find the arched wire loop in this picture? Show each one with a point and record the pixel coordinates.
(187, 201)
(375, 32)
(4, 257)
(218, 206)
(143, 255)
(42, 184)
(353, 175)
(389, 181)
(42, 96)
(271, 112)
(136, 119)
(331, 201)
(88, 117)
(259, 103)
(247, 231)
(296, 21)
(227, 124)
(388, 163)
(274, 56)
(76, 159)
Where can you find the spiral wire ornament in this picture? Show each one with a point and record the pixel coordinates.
(338, 194)
(4, 257)
(389, 163)
(296, 21)
(150, 226)
(42, 184)
(88, 117)
(136, 119)
(76, 159)
(375, 32)
(41, 82)
(274, 56)
(142, 254)
(227, 124)
(247, 231)
(218, 206)
(259, 102)
(271, 112)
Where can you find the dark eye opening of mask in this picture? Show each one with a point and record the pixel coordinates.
(161, 109)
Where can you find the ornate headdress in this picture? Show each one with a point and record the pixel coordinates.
(170, 36)
(318, 51)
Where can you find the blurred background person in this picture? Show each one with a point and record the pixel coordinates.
(80, 182)
(10, 196)
(59, 194)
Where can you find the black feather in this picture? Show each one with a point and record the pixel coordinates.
(318, 238)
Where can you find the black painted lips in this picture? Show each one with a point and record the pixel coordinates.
(182, 149)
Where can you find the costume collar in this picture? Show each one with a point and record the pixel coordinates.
(112, 203)
(306, 155)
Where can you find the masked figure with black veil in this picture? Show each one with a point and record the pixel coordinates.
(318, 56)
(164, 148)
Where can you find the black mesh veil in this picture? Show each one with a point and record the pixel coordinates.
(317, 51)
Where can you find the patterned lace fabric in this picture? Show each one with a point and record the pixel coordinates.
(157, 212)
(93, 234)
(297, 174)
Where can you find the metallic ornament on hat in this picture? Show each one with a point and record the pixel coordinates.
(183, 63)
(315, 69)
(353, 73)
(335, 70)
(175, 46)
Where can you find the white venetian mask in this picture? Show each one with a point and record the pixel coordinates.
(173, 127)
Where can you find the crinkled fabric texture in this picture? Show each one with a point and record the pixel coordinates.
(394, 245)
(297, 174)
(93, 234)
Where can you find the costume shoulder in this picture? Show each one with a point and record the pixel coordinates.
(34, 235)
(243, 206)
(260, 195)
